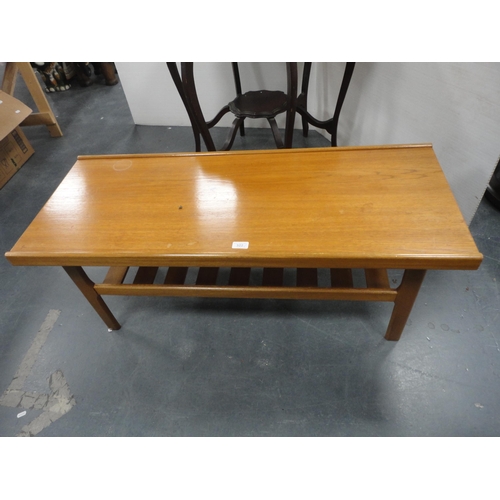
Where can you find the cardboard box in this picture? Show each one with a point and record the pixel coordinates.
(14, 147)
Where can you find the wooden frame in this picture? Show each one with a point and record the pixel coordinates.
(330, 125)
(373, 208)
(256, 104)
(45, 115)
(143, 285)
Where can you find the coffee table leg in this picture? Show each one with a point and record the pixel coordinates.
(407, 293)
(86, 286)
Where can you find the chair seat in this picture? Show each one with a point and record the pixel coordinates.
(259, 104)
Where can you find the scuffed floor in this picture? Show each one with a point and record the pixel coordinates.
(217, 367)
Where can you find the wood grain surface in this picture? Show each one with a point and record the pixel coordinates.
(356, 207)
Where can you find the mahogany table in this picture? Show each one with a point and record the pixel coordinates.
(181, 215)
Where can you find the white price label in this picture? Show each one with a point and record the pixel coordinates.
(240, 244)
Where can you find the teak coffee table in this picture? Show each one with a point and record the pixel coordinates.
(370, 208)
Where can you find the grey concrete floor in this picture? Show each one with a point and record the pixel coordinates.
(215, 367)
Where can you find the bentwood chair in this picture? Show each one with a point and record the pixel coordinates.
(254, 104)
(332, 124)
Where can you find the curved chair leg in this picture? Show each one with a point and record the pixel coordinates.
(349, 68)
(232, 134)
(237, 85)
(276, 133)
(197, 142)
(291, 73)
(174, 72)
(193, 104)
(330, 125)
(303, 94)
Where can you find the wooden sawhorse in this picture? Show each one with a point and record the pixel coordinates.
(45, 115)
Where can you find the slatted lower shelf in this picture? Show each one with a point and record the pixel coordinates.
(241, 284)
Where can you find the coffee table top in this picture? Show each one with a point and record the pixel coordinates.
(365, 207)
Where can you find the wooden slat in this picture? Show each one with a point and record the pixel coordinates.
(239, 276)
(341, 278)
(9, 78)
(272, 276)
(38, 119)
(250, 292)
(307, 277)
(377, 278)
(116, 275)
(176, 275)
(145, 275)
(207, 276)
